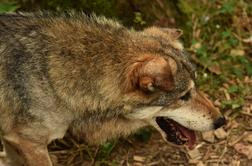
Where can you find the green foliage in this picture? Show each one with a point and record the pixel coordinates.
(232, 104)
(8, 6)
(105, 150)
(186, 7)
(215, 20)
(139, 18)
(218, 29)
(234, 89)
(228, 7)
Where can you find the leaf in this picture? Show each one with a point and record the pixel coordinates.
(233, 89)
(244, 149)
(138, 158)
(233, 104)
(139, 18)
(215, 69)
(248, 138)
(248, 40)
(196, 45)
(226, 33)
(237, 52)
(106, 149)
(208, 136)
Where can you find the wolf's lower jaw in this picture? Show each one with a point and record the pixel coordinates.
(171, 130)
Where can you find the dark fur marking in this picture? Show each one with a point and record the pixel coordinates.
(16, 76)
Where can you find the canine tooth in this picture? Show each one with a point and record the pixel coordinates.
(184, 138)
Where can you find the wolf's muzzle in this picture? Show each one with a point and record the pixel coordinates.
(219, 122)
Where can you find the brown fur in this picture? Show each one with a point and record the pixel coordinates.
(85, 74)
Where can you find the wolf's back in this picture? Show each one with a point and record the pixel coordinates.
(70, 56)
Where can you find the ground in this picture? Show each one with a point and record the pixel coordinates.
(218, 37)
(233, 148)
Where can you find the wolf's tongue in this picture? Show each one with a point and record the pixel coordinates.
(189, 134)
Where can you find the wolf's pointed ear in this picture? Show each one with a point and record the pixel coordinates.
(154, 73)
(172, 32)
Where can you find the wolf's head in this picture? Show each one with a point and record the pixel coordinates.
(161, 86)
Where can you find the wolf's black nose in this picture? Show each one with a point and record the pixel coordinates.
(219, 122)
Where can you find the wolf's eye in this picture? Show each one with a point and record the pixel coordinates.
(186, 97)
(151, 87)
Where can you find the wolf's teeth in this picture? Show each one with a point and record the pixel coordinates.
(180, 136)
(183, 138)
(173, 134)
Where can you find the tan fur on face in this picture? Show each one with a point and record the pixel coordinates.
(197, 114)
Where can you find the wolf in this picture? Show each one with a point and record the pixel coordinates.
(93, 76)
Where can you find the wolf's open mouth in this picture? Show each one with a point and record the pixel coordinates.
(176, 133)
